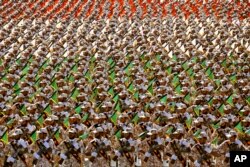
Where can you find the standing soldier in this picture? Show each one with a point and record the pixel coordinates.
(27, 128)
(98, 146)
(204, 151)
(45, 147)
(72, 148)
(127, 146)
(231, 144)
(18, 148)
(3, 130)
(75, 122)
(155, 143)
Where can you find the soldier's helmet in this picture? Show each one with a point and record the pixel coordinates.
(98, 132)
(160, 106)
(246, 121)
(48, 121)
(231, 135)
(77, 118)
(198, 121)
(178, 133)
(123, 94)
(54, 118)
(152, 133)
(31, 109)
(127, 132)
(202, 138)
(143, 117)
(123, 117)
(24, 120)
(42, 133)
(72, 133)
(16, 133)
(86, 106)
(98, 118)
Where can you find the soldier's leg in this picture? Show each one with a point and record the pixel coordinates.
(93, 156)
(29, 160)
(22, 158)
(147, 155)
(227, 158)
(63, 156)
(2, 159)
(104, 154)
(129, 157)
(197, 163)
(117, 154)
(9, 161)
(158, 154)
(36, 156)
(173, 160)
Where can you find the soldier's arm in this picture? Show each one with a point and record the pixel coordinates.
(193, 148)
(52, 145)
(215, 152)
(89, 146)
(242, 146)
(60, 147)
(223, 147)
(194, 154)
(9, 149)
(33, 147)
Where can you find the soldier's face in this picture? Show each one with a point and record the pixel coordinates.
(42, 135)
(71, 135)
(232, 138)
(202, 140)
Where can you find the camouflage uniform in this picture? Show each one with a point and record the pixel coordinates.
(99, 146)
(127, 146)
(203, 151)
(232, 144)
(71, 150)
(18, 148)
(156, 145)
(46, 149)
(3, 129)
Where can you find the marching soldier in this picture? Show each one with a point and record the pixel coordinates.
(231, 144)
(75, 122)
(127, 146)
(123, 122)
(52, 126)
(46, 148)
(3, 130)
(27, 128)
(204, 151)
(18, 149)
(156, 145)
(99, 146)
(173, 143)
(71, 148)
